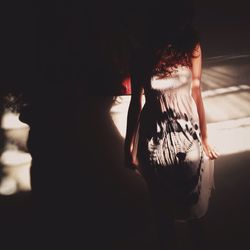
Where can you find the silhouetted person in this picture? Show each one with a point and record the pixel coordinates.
(77, 157)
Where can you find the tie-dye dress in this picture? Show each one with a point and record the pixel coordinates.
(169, 148)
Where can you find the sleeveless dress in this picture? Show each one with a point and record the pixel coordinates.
(169, 149)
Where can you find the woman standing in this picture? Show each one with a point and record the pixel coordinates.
(166, 139)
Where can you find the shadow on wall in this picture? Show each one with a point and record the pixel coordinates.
(79, 180)
(124, 193)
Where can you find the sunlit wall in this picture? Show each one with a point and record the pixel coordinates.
(226, 95)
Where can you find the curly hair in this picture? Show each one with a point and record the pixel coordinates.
(179, 50)
(167, 37)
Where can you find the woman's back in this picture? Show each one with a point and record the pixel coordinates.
(170, 149)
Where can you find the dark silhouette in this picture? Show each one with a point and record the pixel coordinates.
(78, 181)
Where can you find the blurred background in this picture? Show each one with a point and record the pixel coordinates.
(224, 28)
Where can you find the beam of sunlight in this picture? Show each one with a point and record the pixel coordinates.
(231, 136)
(227, 107)
(226, 90)
(226, 70)
(14, 161)
(226, 95)
(229, 130)
(8, 186)
(119, 112)
(16, 171)
(224, 58)
(11, 121)
(14, 157)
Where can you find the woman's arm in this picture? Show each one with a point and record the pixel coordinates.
(196, 94)
(134, 110)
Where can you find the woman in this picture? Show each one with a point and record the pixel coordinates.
(166, 139)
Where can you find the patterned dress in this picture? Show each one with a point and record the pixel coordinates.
(169, 148)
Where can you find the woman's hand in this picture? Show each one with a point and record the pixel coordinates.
(131, 163)
(209, 150)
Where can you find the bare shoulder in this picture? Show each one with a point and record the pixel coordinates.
(196, 66)
(197, 51)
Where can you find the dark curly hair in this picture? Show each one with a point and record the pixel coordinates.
(166, 36)
(178, 51)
